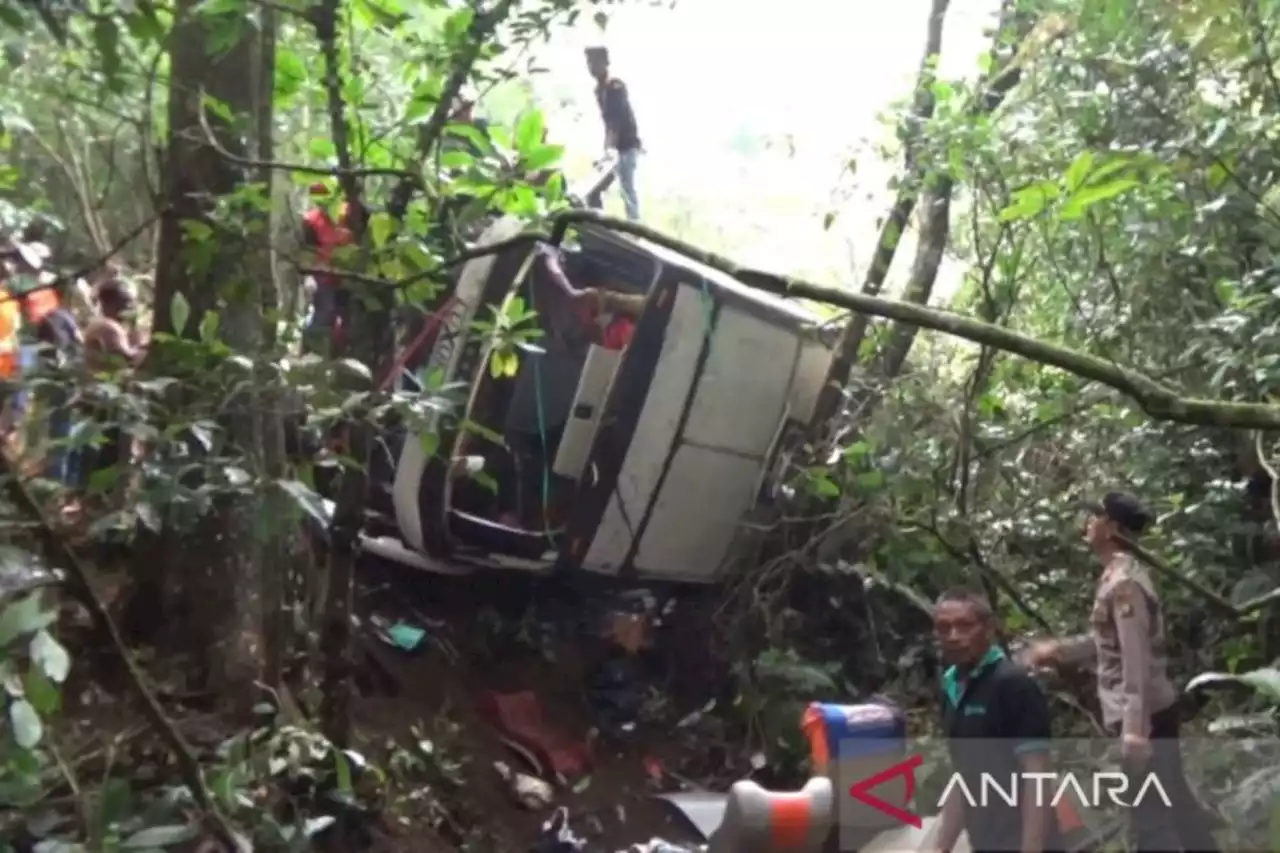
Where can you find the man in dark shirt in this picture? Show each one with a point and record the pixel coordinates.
(62, 347)
(996, 721)
(621, 132)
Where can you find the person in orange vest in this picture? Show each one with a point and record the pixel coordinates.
(321, 237)
(10, 375)
(22, 263)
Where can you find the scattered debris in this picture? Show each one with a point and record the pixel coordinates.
(530, 792)
(615, 690)
(660, 845)
(556, 835)
(695, 717)
(522, 727)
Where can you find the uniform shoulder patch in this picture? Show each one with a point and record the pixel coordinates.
(1126, 596)
(617, 84)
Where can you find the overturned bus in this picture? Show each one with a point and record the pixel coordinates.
(638, 459)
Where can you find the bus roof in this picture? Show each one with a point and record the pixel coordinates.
(793, 309)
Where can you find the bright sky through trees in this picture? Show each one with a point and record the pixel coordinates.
(750, 112)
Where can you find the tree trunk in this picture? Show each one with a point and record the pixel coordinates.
(911, 132)
(214, 583)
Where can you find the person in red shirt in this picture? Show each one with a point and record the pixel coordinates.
(617, 334)
(321, 236)
(543, 391)
(571, 311)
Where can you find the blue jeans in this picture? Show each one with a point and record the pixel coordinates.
(63, 461)
(626, 172)
(28, 358)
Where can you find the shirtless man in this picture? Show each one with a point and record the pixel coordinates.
(108, 342)
(109, 346)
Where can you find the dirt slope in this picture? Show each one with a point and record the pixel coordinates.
(481, 637)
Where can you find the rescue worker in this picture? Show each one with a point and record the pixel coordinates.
(621, 131)
(10, 372)
(1139, 702)
(24, 262)
(322, 236)
(996, 721)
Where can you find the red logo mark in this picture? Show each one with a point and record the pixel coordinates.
(861, 791)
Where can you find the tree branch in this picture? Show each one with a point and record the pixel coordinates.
(59, 551)
(482, 26)
(342, 173)
(911, 131)
(1156, 399)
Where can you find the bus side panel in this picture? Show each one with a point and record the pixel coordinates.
(713, 477)
(743, 390)
(609, 503)
(695, 520)
(420, 482)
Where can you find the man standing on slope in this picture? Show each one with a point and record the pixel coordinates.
(1139, 702)
(621, 133)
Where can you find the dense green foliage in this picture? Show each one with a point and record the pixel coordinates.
(1120, 201)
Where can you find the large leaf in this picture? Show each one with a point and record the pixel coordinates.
(308, 500)
(27, 728)
(1078, 171)
(1078, 203)
(179, 313)
(159, 836)
(1266, 681)
(48, 654)
(25, 616)
(529, 132)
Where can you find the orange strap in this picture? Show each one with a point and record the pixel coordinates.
(790, 818)
(815, 729)
(1068, 817)
(10, 314)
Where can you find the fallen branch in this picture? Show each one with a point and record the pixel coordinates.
(60, 280)
(57, 549)
(1156, 399)
(1235, 611)
(526, 239)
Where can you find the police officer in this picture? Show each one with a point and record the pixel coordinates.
(1139, 702)
(996, 721)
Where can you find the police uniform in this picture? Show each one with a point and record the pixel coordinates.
(1128, 643)
(992, 716)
